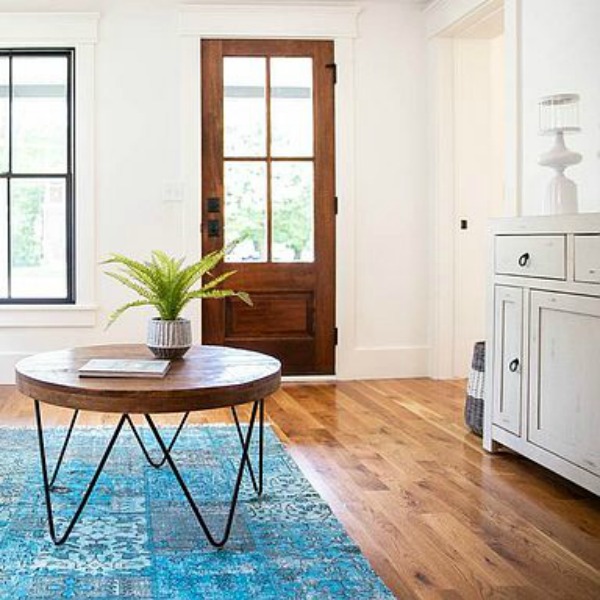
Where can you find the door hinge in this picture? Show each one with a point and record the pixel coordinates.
(335, 205)
(333, 67)
(335, 336)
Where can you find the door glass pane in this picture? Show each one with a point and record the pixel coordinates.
(3, 114)
(38, 238)
(246, 210)
(292, 212)
(3, 240)
(244, 106)
(291, 107)
(39, 139)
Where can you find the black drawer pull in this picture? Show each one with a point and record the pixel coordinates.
(524, 259)
(513, 365)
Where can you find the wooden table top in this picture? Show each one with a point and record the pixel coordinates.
(207, 377)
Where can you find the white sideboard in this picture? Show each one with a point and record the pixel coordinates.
(543, 345)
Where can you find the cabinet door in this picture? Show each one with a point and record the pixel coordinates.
(564, 410)
(508, 347)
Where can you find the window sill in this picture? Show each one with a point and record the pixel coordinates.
(48, 315)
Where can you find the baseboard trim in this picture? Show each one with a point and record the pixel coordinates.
(387, 362)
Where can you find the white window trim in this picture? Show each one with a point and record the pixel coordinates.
(79, 31)
(333, 21)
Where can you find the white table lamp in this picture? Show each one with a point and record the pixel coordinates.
(559, 114)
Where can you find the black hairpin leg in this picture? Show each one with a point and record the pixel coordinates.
(244, 460)
(59, 540)
(63, 450)
(258, 486)
(257, 407)
(156, 464)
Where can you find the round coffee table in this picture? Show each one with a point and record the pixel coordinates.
(207, 377)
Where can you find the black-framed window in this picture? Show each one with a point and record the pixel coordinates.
(37, 261)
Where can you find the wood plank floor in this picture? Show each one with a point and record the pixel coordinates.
(435, 515)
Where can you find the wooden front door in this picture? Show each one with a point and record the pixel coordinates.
(268, 181)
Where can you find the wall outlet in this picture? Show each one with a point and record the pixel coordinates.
(173, 192)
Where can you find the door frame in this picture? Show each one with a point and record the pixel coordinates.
(336, 23)
(309, 347)
(444, 23)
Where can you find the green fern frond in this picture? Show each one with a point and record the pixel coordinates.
(218, 280)
(119, 311)
(165, 283)
(219, 294)
(131, 284)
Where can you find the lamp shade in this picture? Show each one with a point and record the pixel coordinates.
(559, 113)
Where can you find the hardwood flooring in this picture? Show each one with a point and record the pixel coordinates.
(435, 515)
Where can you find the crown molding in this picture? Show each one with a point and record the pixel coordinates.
(326, 20)
(442, 15)
(49, 27)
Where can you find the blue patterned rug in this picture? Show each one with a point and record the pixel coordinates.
(137, 537)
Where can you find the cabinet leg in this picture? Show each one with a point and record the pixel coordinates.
(489, 445)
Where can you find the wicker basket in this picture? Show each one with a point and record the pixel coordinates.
(475, 388)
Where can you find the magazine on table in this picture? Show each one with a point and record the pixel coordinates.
(114, 367)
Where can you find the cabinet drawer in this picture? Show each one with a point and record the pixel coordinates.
(587, 258)
(531, 256)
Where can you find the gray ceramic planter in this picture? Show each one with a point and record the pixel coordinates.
(169, 339)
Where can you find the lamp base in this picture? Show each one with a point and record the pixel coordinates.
(561, 196)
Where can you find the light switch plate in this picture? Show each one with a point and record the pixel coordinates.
(173, 192)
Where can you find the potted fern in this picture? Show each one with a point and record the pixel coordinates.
(168, 285)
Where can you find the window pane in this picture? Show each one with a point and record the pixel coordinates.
(244, 109)
(4, 83)
(38, 238)
(39, 139)
(246, 210)
(292, 212)
(291, 107)
(3, 240)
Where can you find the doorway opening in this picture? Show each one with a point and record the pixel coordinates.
(470, 176)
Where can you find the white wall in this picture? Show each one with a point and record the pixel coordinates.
(560, 52)
(478, 182)
(392, 213)
(140, 76)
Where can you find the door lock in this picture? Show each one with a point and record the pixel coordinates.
(213, 204)
(214, 228)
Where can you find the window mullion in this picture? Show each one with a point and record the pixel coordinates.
(8, 182)
(269, 187)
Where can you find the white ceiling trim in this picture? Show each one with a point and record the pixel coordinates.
(337, 20)
(442, 15)
(50, 27)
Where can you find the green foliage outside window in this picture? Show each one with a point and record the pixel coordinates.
(27, 216)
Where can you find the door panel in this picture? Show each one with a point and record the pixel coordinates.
(508, 360)
(280, 314)
(564, 412)
(268, 183)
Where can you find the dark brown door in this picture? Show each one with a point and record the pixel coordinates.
(268, 181)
